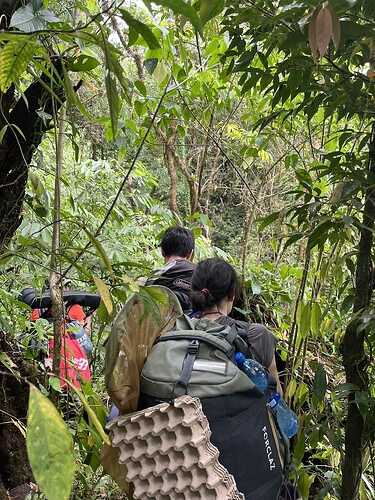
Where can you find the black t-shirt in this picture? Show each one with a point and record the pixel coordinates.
(175, 275)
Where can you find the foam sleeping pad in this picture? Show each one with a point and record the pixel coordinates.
(85, 299)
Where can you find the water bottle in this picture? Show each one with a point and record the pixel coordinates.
(78, 332)
(286, 418)
(253, 370)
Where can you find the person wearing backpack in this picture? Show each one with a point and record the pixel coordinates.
(197, 358)
(177, 248)
(214, 286)
(76, 345)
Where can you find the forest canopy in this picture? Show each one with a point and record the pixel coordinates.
(250, 123)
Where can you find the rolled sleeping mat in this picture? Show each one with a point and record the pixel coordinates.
(70, 297)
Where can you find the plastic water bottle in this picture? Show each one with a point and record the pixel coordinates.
(286, 418)
(78, 332)
(253, 370)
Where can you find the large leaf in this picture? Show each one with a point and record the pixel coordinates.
(104, 294)
(14, 59)
(32, 17)
(210, 9)
(99, 247)
(49, 447)
(180, 7)
(320, 382)
(142, 29)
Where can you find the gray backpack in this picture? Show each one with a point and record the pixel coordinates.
(196, 358)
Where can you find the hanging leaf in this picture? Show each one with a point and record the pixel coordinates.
(99, 247)
(49, 447)
(320, 382)
(14, 59)
(113, 101)
(141, 28)
(312, 32)
(324, 30)
(336, 28)
(315, 318)
(304, 326)
(323, 27)
(104, 294)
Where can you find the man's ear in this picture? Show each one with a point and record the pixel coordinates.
(190, 256)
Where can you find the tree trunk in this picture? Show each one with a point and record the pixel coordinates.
(16, 149)
(355, 360)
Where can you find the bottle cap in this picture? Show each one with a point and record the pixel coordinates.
(240, 358)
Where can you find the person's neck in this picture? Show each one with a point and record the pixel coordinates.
(171, 258)
(214, 314)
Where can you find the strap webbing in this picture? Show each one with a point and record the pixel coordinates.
(187, 367)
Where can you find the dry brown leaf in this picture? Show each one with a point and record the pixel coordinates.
(312, 32)
(324, 30)
(336, 28)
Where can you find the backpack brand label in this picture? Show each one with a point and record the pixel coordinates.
(269, 452)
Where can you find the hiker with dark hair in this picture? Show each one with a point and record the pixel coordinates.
(177, 248)
(214, 285)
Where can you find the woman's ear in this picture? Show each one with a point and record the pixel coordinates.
(231, 295)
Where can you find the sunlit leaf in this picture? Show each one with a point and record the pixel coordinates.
(104, 294)
(49, 447)
(14, 59)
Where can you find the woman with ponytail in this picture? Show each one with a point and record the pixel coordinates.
(214, 285)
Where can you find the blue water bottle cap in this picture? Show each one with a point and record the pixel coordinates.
(240, 358)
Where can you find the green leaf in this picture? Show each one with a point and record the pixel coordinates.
(99, 247)
(150, 297)
(180, 7)
(315, 318)
(320, 382)
(304, 326)
(113, 101)
(94, 419)
(49, 447)
(32, 17)
(266, 221)
(150, 64)
(141, 28)
(82, 63)
(104, 294)
(14, 59)
(160, 73)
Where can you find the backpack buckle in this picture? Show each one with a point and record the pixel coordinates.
(193, 346)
